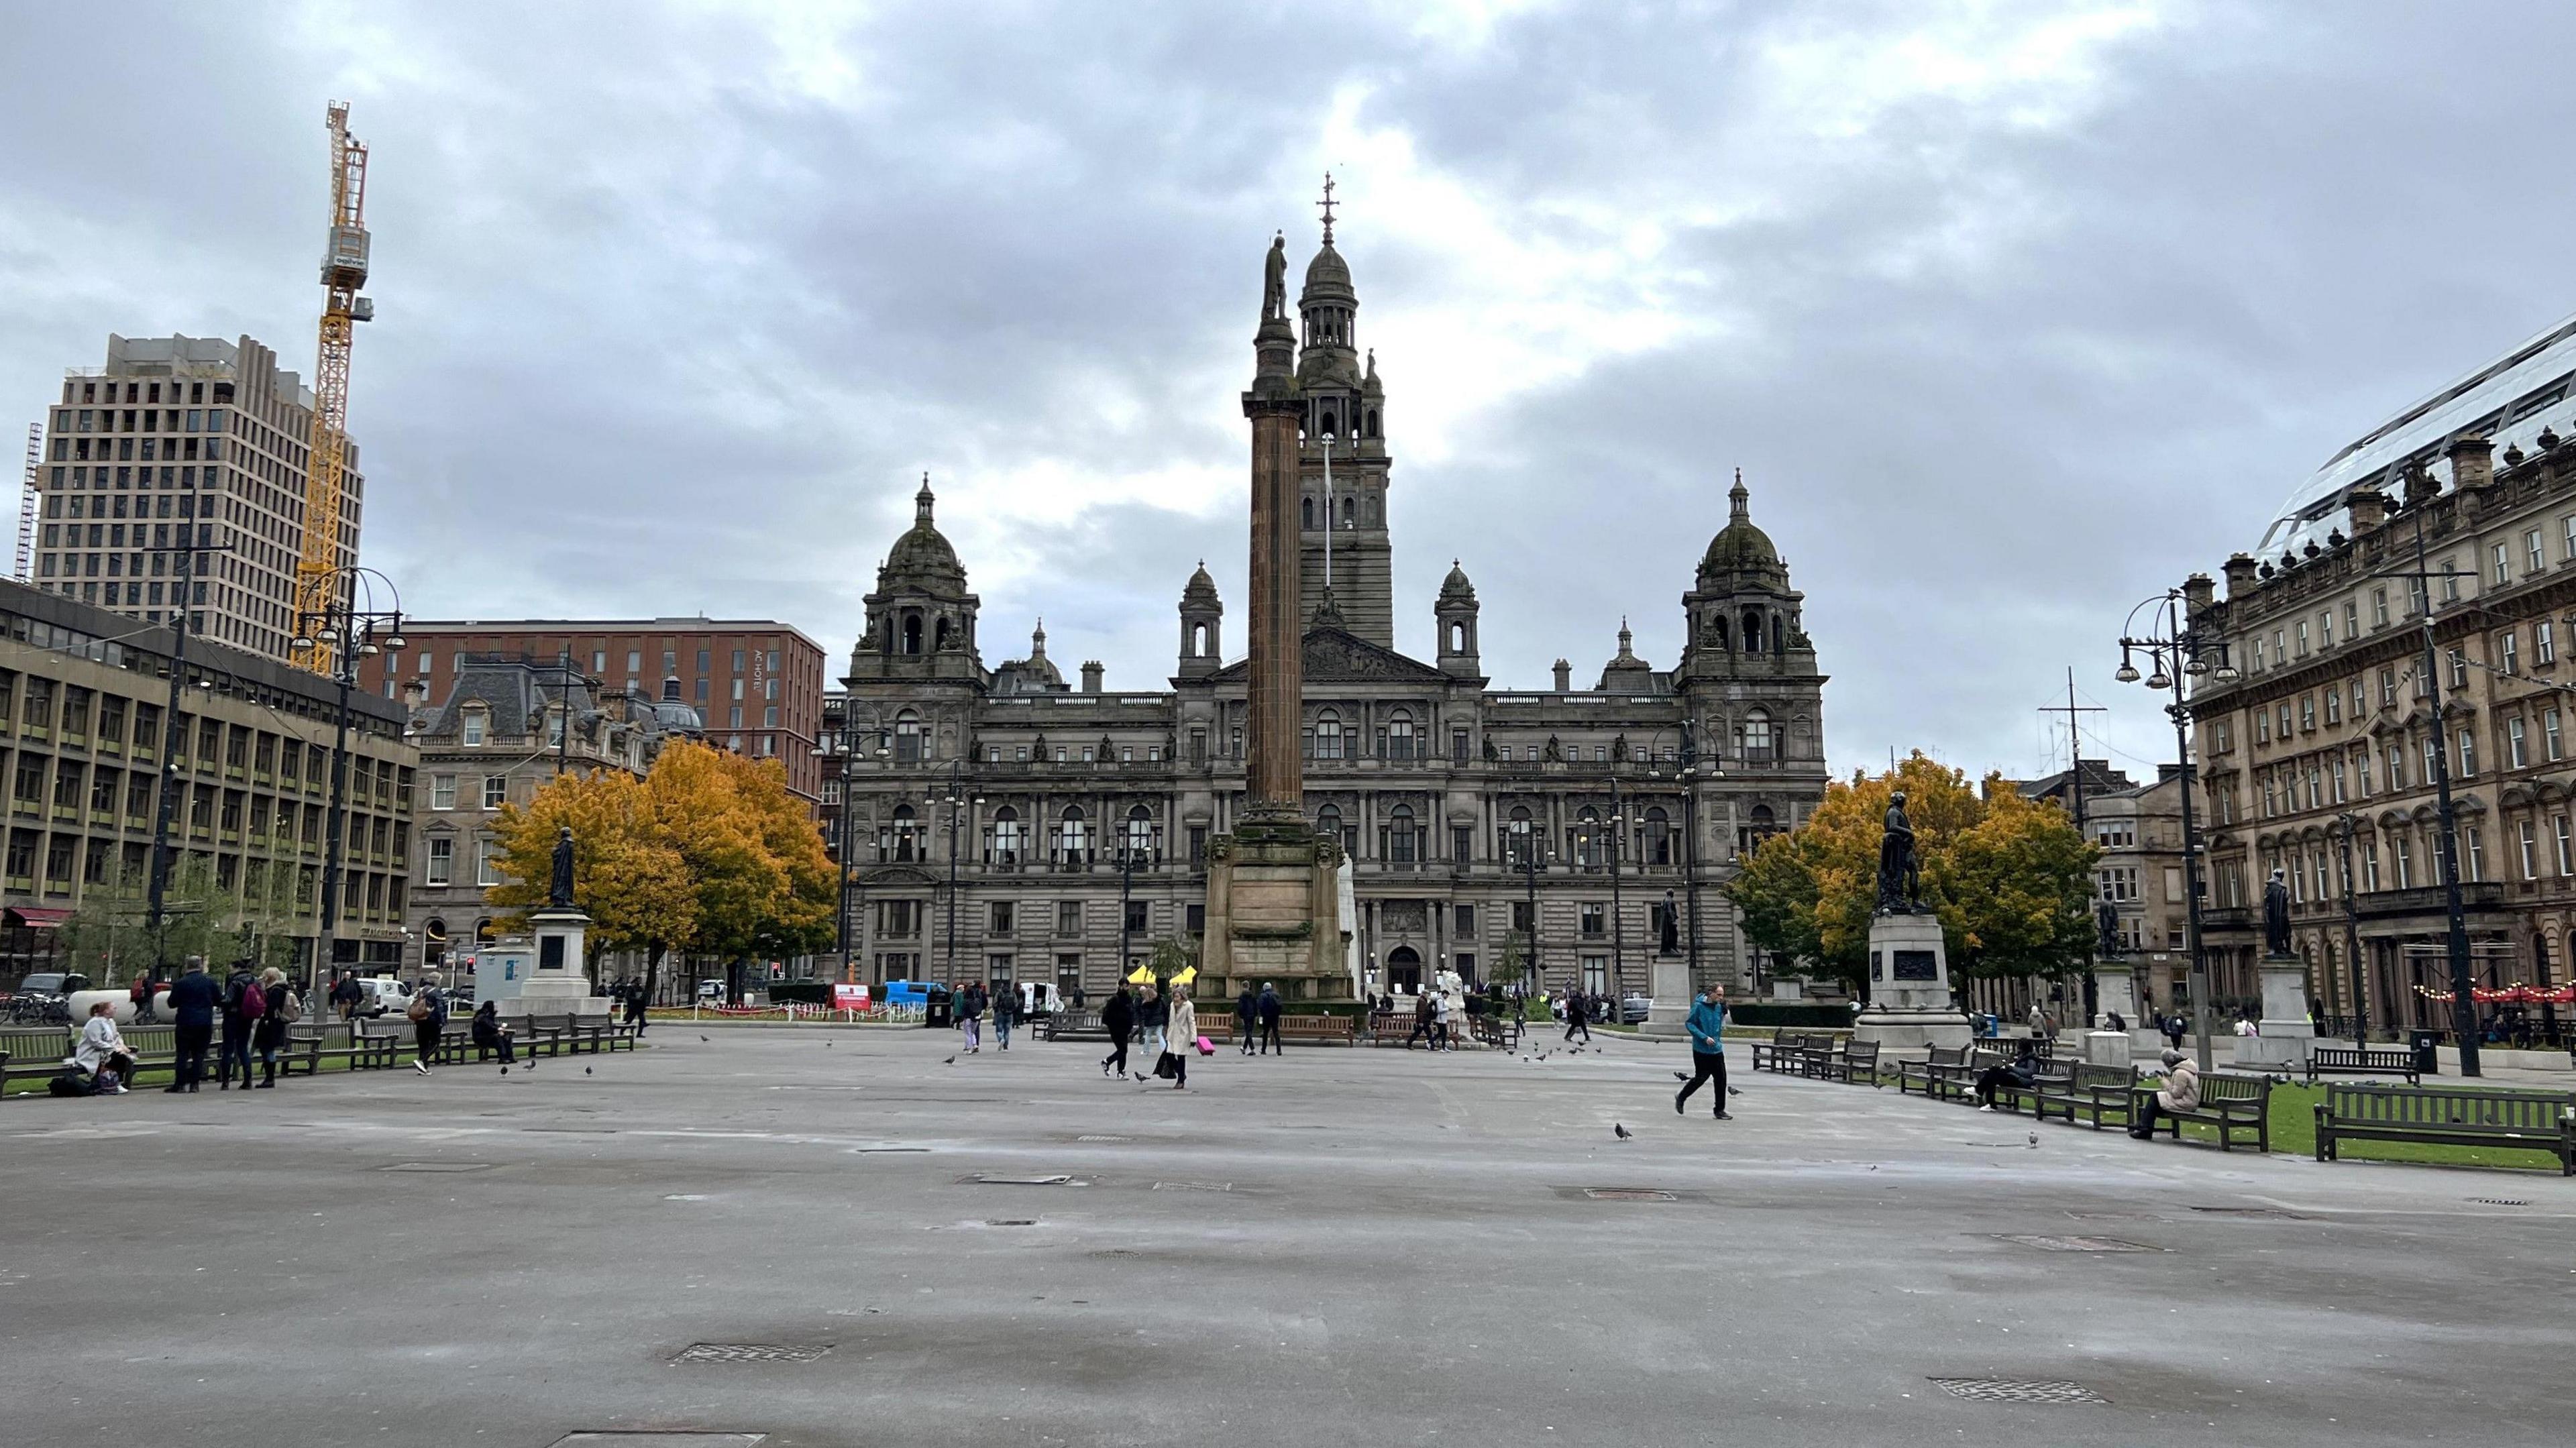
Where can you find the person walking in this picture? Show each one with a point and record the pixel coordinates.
(1006, 1014)
(490, 1035)
(268, 1038)
(244, 1005)
(2181, 1092)
(970, 1017)
(1440, 1022)
(428, 1016)
(1247, 1019)
(1267, 1009)
(1706, 1026)
(194, 1001)
(1421, 1021)
(102, 1054)
(139, 995)
(346, 993)
(1180, 1038)
(637, 1001)
(1153, 1015)
(1578, 1015)
(2175, 1026)
(1118, 1018)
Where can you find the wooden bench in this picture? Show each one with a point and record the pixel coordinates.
(2095, 1091)
(1849, 1061)
(1386, 1028)
(2361, 1061)
(309, 1045)
(1957, 1080)
(1926, 1075)
(1073, 1025)
(1340, 1029)
(2229, 1102)
(2450, 1116)
(1785, 1051)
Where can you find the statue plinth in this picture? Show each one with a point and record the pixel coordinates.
(1910, 1007)
(2286, 1035)
(541, 976)
(1274, 914)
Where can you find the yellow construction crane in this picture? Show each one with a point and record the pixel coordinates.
(319, 575)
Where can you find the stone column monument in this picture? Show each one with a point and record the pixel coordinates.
(1273, 908)
(1909, 1008)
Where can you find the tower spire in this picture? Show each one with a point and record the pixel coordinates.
(1326, 206)
(1738, 500)
(921, 501)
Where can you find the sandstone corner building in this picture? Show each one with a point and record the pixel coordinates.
(1002, 824)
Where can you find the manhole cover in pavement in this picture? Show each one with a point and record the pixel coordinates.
(2047, 1243)
(752, 1352)
(1629, 1194)
(2275, 1213)
(438, 1166)
(2499, 1202)
(998, 1179)
(659, 1438)
(2018, 1390)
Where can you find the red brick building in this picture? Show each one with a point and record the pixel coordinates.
(757, 683)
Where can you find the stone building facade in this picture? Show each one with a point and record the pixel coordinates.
(2463, 507)
(1006, 824)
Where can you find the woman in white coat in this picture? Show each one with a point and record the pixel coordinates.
(1181, 1037)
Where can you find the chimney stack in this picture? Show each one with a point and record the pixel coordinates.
(1564, 676)
(2240, 575)
(2472, 466)
(2369, 510)
(1091, 676)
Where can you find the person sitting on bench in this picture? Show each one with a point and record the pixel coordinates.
(2181, 1093)
(490, 1035)
(2021, 1072)
(102, 1054)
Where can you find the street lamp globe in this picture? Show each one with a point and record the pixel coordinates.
(2160, 679)
(2227, 673)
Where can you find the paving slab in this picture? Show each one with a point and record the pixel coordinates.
(856, 1240)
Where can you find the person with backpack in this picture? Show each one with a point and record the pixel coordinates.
(244, 1006)
(428, 1016)
(194, 1000)
(140, 993)
(268, 1038)
(970, 1017)
(1006, 1014)
(347, 994)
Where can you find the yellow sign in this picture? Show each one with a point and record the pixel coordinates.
(1141, 976)
(1188, 974)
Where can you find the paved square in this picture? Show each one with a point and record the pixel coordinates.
(839, 1239)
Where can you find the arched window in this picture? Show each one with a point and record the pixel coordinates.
(912, 633)
(1457, 638)
(1586, 840)
(1752, 631)
(1198, 640)
(1400, 845)
(1306, 507)
(1372, 422)
(1779, 635)
(1404, 969)
(1757, 737)
(1140, 835)
(1331, 425)
(907, 738)
(900, 840)
(1350, 511)
(1399, 735)
(1520, 837)
(942, 635)
(1328, 821)
(1072, 839)
(1328, 735)
(1003, 847)
(1658, 837)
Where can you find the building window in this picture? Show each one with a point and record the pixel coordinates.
(2405, 863)
(485, 872)
(2527, 839)
(2307, 713)
(2552, 746)
(1399, 736)
(2334, 706)
(2503, 565)
(2566, 848)
(2544, 643)
(496, 789)
(1068, 917)
(2459, 669)
(2468, 754)
(1328, 735)
(2476, 866)
(2534, 556)
(441, 866)
(1002, 919)
(2509, 652)
(442, 791)
(2514, 755)
(1462, 843)
(907, 736)
(1594, 919)
(476, 723)
(1466, 922)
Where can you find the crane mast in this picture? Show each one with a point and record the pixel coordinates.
(26, 568)
(318, 575)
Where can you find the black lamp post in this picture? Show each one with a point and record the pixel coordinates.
(339, 636)
(2176, 650)
(2344, 821)
(956, 802)
(845, 748)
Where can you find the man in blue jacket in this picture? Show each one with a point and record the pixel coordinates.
(194, 999)
(1707, 1028)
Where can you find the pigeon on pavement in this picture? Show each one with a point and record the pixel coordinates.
(1620, 1131)
(585, 1070)
(706, 1038)
(951, 1061)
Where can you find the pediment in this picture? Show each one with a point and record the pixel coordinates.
(1329, 655)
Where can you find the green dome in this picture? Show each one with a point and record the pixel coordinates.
(1740, 547)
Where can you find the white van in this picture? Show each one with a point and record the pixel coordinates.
(382, 995)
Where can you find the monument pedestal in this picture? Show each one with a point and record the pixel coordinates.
(1668, 985)
(2287, 1034)
(1274, 913)
(1909, 1008)
(542, 977)
(2115, 988)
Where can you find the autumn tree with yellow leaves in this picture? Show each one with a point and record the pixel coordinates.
(709, 854)
(2010, 878)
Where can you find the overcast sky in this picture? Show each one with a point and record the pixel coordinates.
(2012, 315)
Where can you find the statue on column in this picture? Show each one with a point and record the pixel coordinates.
(2106, 929)
(559, 890)
(2276, 914)
(1274, 280)
(1900, 876)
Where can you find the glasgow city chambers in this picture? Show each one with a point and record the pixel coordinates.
(998, 823)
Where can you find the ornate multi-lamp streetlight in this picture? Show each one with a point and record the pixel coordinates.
(2175, 651)
(845, 747)
(337, 637)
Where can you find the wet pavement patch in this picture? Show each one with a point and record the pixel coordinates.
(2046, 1243)
(443, 1166)
(1000, 1179)
(659, 1438)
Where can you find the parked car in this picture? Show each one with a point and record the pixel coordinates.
(381, 995)
(711, 990)
(907, 992)
(1634, 1008)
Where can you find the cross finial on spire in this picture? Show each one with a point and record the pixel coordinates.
(1327, 206)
